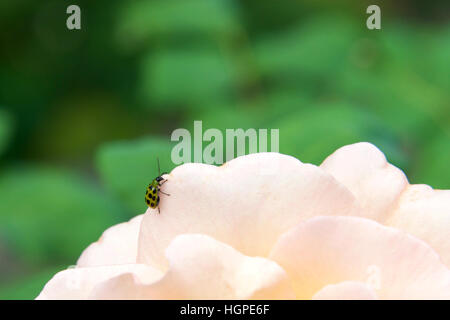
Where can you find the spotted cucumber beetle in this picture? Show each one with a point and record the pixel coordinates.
(153, 190)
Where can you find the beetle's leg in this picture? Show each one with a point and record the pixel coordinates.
(164, 193)
(159, 211)
(162, 182)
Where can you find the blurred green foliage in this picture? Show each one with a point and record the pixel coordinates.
(210, 76)
(142, 20)
(32, 199)
(5, 129)
(85, 114)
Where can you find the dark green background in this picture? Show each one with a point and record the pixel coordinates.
(84, 114)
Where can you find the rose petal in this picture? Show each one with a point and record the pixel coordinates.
(204, 268)
(347, 290)
(77, 283)
(117, 245)
(425, 213)
(363, 169)
(327, 250)
(246, 203)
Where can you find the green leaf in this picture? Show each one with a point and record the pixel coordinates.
(141, 20)
(257, 113)
(313, 134)
(433, 163)
(51, 215)
(194, 76)
(127, 168)
(438, 62)
(314, 48)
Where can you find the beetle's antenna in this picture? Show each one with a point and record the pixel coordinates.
(159, 170)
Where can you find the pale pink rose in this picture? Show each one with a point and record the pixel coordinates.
(267, 226)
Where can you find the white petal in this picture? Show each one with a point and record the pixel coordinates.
(247, 203)
(363, 169)
(347, 290)
(78, 283)
(425, 213)
(204, 268)
(327, 250)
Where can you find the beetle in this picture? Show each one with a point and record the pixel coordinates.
(154, 189)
